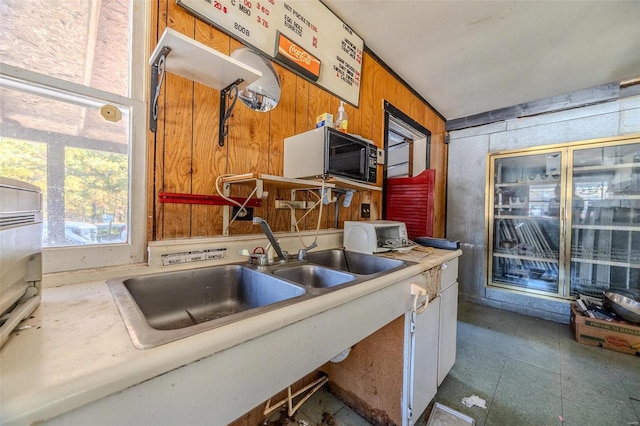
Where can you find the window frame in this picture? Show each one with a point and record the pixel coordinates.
(71, 258)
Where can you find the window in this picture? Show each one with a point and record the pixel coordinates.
(72, 121)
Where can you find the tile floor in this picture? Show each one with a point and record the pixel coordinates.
(529, 372)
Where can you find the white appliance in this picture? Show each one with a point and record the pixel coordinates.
(375, 236)
(327, 152)
(20, 253)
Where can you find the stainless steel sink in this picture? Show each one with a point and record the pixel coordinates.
(164, 307)
(355, 263)
(161, 308)
(315, 276)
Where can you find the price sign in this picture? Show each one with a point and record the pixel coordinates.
(307, 27)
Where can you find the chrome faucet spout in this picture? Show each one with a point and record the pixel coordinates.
(267, 231)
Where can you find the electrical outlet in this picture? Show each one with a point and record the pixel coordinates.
(365, 211)
(247, 216)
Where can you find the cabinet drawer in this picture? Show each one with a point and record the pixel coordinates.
(449, 273)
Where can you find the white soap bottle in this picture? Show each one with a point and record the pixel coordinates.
(342, 119)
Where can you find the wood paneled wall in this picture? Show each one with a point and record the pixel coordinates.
(184, 155)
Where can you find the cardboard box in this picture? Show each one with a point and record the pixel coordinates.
(614, 335)
(325, 119)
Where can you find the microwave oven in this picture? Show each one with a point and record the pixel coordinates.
(326, 152)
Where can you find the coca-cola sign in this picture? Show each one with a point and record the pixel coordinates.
(299, 54)
(297, 58)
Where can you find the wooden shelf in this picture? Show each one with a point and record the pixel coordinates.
(193, 60)
(293, 183)
(259, 180)
(276, 181)
(343, 183)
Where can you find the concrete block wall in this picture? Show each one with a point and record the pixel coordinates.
(467, 181)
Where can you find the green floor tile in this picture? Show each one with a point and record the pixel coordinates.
(518, 373)
(597, 410)
(478, 367)
(636, 406)
(522, 403)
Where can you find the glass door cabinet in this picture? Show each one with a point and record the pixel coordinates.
(565, 220)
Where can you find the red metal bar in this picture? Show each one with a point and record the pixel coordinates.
(171, 197)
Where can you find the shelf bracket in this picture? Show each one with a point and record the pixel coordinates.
(225, 113)
(157, 76)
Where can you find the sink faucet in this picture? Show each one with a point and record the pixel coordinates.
(267, 231)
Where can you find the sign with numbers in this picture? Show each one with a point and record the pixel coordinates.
(306, 25)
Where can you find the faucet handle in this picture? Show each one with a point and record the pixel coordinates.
(302, 254)
(260, 258)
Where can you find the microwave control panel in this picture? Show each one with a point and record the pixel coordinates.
(373, 162)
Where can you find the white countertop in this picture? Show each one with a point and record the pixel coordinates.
(75, 349)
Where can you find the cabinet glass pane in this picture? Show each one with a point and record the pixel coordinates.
(526, 223)
(605, 223)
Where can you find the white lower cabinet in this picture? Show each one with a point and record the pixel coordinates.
(448, 329)
(448, 318)
(423, 359)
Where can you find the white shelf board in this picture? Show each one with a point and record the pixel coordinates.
(343, 183)
(193, 60)
(277, 181)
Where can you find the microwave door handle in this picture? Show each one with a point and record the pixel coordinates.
(363, 161)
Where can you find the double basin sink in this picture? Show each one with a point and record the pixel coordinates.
(161, 308)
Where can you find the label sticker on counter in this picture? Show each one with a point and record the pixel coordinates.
(193, 256)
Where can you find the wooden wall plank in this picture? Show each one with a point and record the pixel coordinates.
(178, 135)
(248, 151)
(209, 159)
(366, 97)
(302, 105)
(155, 148)
(282, 124)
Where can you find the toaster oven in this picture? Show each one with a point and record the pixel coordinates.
(375, 236)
